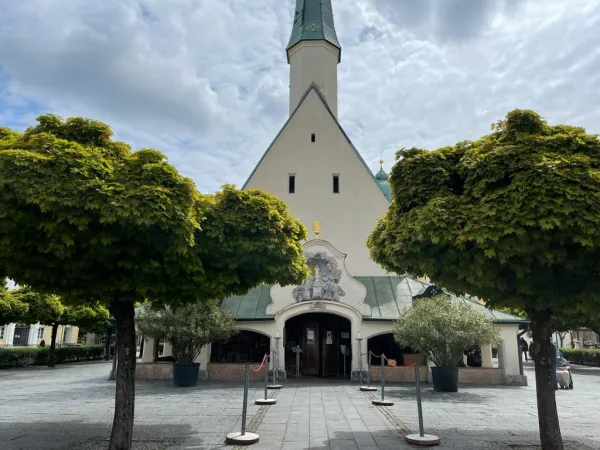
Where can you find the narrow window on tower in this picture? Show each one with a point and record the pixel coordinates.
(292, 184)
(336, 184)
(313, 138)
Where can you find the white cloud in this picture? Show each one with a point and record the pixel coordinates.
(206, 81)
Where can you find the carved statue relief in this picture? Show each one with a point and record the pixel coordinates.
(322, 284)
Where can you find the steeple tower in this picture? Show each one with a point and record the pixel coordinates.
(313, 52)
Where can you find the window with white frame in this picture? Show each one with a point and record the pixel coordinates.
(1, 332)
(40, 333)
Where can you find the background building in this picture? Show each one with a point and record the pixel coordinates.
(19, 335)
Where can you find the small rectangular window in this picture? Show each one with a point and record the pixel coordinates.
(40, 333)
(313, 138)
(292, 184)
(336, 184)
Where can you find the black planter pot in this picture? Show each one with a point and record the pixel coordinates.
(185, 375)
(445, 379)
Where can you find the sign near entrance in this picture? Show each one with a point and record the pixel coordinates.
(310, 335)
(345, 335)
(329, 339)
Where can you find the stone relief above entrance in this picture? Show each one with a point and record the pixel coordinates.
(322, 283)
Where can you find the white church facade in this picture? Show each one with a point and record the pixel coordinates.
(349, 303)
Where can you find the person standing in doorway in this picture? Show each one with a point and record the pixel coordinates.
(524, 348)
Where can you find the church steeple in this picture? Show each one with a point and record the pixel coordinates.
(313, 21)
(313, 52)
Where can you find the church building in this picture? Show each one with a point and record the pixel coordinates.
(349, 303)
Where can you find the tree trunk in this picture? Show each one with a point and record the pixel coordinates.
(113, 370)
(52, 353)
(561, 336)
(571, 336)
(122, 430)
(108, 335)
(155, 356)
(546, 400)
(142, 346)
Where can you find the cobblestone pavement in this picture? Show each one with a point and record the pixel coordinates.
(71, 407)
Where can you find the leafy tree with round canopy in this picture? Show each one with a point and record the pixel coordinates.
(11, 308)
(47, 309)
(511, 218)
(84, 217)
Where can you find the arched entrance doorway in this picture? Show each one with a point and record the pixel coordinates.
(322, 338)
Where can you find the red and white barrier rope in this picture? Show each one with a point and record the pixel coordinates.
(398, 367)
(263, 361)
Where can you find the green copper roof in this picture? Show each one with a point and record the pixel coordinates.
(252, 306)
(381, 175)
(386, 295)
(313, 21)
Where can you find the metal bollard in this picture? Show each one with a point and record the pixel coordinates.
(382, 379)
(360, 368)
(298, 364)
(266, 380)
(419, 407)
(243, 438)
(245, 405)
(344, 376)
(421, 439)
(368, 387)
(383, 401)
(273, 366)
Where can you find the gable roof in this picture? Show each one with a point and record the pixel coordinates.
(385, 190)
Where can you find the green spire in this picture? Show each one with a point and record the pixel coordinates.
(313, 21)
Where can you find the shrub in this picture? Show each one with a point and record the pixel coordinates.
(188, 328)
(38, 356)
(440, 328)
(586, 356)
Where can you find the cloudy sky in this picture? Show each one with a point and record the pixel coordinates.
(206, 81)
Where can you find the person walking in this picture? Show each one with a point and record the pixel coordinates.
(524, 348)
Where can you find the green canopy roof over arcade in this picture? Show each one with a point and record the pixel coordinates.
(386, 295)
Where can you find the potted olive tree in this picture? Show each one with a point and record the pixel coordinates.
(187, 329)
(440, 329)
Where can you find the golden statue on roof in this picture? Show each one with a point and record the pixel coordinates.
(317, 228)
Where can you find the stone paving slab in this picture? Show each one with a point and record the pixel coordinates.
(71, 407)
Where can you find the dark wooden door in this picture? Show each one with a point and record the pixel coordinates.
(21, 336)
(330, 346)
(311, 348)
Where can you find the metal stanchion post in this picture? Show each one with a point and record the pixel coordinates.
(368, 387)
(266, 400)
(344, 373)
(274, 385)
(360, 360)
(266, 381)
(245, 404)
(297, 364)
(243, 438)
(419, 406)
(383, 401)
(382, 380)
(276, 368)
(421, 439)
